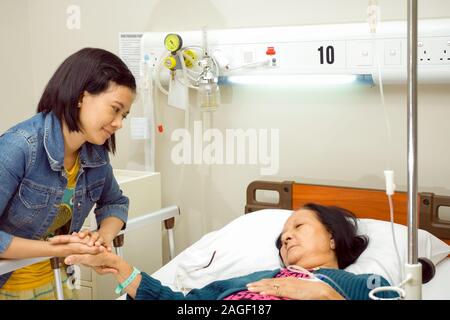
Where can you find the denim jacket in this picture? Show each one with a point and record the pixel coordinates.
(33, 180)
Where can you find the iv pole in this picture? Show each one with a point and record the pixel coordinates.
(413, 269)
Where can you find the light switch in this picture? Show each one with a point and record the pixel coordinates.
(392, 53)
(360, 53)
(248, 56)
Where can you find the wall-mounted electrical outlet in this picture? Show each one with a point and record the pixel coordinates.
(446, 53)
(434, 51)
(423, 53)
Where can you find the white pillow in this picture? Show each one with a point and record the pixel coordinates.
(243, 246)
(380, 256)
(247, 244)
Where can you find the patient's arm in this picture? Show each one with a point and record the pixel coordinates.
(108, 262)
(149, 288)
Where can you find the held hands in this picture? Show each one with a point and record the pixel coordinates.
(293, 288)
(92, 249)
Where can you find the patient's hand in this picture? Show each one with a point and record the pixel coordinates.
(293, 288)
(103, 263)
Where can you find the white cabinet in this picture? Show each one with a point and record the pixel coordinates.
(142, 247)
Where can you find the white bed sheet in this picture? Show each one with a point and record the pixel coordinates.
(166, 274)
(437, 289)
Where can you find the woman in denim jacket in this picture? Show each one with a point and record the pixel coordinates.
(54, 167)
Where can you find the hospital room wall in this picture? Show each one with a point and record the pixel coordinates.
(16, 86)
(327, 135)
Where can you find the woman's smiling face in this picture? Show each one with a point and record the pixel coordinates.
(101, 115)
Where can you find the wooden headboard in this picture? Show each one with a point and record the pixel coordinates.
(365, 203)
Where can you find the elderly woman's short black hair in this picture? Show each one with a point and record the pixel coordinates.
(342, 225)
(90, 69)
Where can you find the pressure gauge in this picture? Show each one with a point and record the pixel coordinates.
(170, 62)
(190, 57)
(173, 42)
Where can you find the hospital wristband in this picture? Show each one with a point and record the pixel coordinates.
(127, 282)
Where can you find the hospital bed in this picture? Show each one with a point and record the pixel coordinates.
(246, 244)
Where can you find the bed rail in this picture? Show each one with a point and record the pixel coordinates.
(284, 190)
(429, 215)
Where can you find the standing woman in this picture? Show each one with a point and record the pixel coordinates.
(55, 166)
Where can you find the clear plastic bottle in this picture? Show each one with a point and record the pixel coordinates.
(208, 96)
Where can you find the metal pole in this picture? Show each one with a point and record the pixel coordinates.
(58, 284)
(171, 244)
(413, 269)
(54, 262)
(412, 132)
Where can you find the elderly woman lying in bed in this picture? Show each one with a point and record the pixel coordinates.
(315, 245)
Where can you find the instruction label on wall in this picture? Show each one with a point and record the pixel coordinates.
(130, 51)
(140, 128)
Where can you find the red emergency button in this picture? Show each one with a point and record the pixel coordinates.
(160, 128)
(270, 51)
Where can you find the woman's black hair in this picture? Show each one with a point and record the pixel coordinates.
(91, 70)
(342, 225)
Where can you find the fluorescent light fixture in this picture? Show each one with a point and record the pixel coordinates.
(298, 79)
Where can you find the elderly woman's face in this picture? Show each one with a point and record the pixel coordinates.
(305, 241)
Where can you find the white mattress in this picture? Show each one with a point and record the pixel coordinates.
(437, 289)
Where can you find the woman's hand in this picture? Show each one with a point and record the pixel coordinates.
(63, 249)
(96, 238)
(90, 238)
(293, 288)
